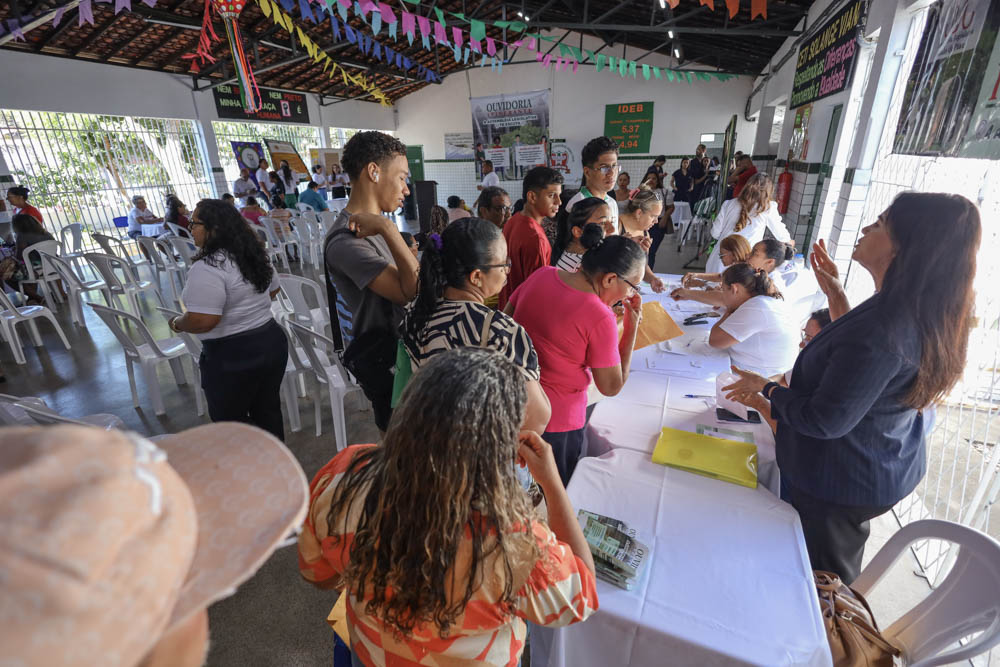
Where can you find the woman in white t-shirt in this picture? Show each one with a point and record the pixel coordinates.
(319, 178)
(228, 296)
(758, 327)
(748, 215)
(768, 256)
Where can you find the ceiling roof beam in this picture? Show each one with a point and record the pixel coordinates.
(691, 30)
(95, 35)
(34, 23)
(69, 21)
(159, 44)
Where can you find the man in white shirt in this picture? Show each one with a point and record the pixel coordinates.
(244, 186)
(490, 178)
(263, 181)
(139, 216)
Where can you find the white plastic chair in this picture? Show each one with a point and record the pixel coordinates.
(177, 230)
(271, 245)
(75, 286)
(171, 266)
(46, 279)
(148, 353)
(304, 207)
(311, 233)
(327, 218)
(294, 289)
(194, 346)
(13, 315)
(117, 248)
(966, 602)
(185, 249)
(44, 416)
(280, 241)
(71, 242)
(325, 367)
(120, 280)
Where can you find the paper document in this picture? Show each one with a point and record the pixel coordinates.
(656, 326)
(690, 395)
(725, 433)
(724, 380)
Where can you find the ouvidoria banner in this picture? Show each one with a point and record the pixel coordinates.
(515, 119)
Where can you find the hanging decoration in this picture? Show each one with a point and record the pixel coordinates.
(230, 10)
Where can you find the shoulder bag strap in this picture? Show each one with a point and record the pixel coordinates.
(331, 289)
(484, 336)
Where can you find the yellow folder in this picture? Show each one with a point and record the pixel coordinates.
(725, 460)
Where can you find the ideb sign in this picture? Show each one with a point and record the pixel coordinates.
(276, 105)
(630, 125)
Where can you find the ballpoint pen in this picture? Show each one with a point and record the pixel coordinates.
(697, 396)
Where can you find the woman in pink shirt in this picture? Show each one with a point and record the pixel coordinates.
(575, 333)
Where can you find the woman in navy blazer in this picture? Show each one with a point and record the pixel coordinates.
(850, 438)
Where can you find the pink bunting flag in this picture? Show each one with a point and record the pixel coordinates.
(440, 36)
(86, 13)
(475, 46)
(367, 6)
(409, 23)
(386, 11)
(456, 34)
(491, 47)
(548, 60)
(576, 66)
(123, 4)
(425, 25)
(532, 44)
(345, 3)
(539, 56)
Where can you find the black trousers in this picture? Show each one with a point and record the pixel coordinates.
(835, 534)
(567, 446)
(241, 375)
(656, 233)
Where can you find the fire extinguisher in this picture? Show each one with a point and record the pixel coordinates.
(784, 190)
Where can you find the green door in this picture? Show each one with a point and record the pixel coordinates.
(415, 156)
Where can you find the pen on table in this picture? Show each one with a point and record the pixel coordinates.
(697, 396)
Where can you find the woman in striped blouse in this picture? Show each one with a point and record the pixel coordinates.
(568, 249)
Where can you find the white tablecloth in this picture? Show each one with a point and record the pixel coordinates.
(728, 581)
(653, 396)
(154, 229)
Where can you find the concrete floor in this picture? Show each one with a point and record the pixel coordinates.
(275, 619)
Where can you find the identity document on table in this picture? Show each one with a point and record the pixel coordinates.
(619, 558)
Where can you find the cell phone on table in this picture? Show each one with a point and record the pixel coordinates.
(724, 415)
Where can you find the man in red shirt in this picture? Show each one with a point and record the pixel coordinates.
(743, 172)
(527, 246)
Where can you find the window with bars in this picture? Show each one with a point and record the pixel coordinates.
(339, 136)
(303, 137)
(86, 168)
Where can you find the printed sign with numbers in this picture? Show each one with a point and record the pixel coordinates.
(630, 125)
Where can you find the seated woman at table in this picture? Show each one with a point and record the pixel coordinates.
(452, 571)
(252, 211)
(748, 215)
(817, 320)
(177, 212)
(850, 440)
(575, 333)
(768, 256)
(460, 269)
(27, 231)
(636, 219)
(758, 327)
(567, 252)
(733, 249)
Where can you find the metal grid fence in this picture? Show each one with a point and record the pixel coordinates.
(85, 168)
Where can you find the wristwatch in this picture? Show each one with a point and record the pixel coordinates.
(172, 323)
(768, 389)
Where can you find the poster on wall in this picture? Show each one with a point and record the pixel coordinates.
(500, 157)
(564, 157)
(630, 125)
(283, 150)
(248, 156)
(529, 156)
(950, 108)
(798, 148)
(276, 105)
(325, 157)
(827, 61)
(502, 121)
(459, 146)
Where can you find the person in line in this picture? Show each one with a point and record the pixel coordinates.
(494, 205)
(681, 181)
(600, 172)
(338, 182)
(276, 187)
(27, 232)
(732, 250)
(462, 560)
(228, 296)
(527, 245)
(768, 256)
(745, 170)
(816, 322)
(439, 219)
(851, 423)
(459, 271)
(657, 169)
(568, 250)
(244, 186)
(575, 332)
(177, 212)
(698, 173)
(142, 506)
(758, 328)
(748, 215)
(140, 215)
(411, 243)
(319, 178)
(622, 192)
(641, 213)
(314, 198)
(455, 209)
(290, 182)
(370, 266)
(490, 178)
(252, 211)
(17, 196)
(263, 179)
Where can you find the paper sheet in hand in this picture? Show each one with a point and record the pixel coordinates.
(724, 380)
(656, 326)
(724, 460)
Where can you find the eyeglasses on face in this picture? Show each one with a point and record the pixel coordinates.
(505, 210)
(633, 286)
(505, 266)
(607, 168)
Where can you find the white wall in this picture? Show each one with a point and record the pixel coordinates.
(50, 83)
(682, 111)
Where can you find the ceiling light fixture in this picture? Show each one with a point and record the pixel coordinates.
(677, 53)
(670, 34)
(663, 4)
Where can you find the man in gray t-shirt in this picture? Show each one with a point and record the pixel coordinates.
(370, 265)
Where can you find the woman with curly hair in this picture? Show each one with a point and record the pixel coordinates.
(228, 296)
(438, 548)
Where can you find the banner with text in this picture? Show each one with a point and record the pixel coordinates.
(951, 106)
(510, 119)
(529, 156)
(282, 150)
(459, 146)
(276, 105)
(500, 157)
(630, 125)
(827, 61)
